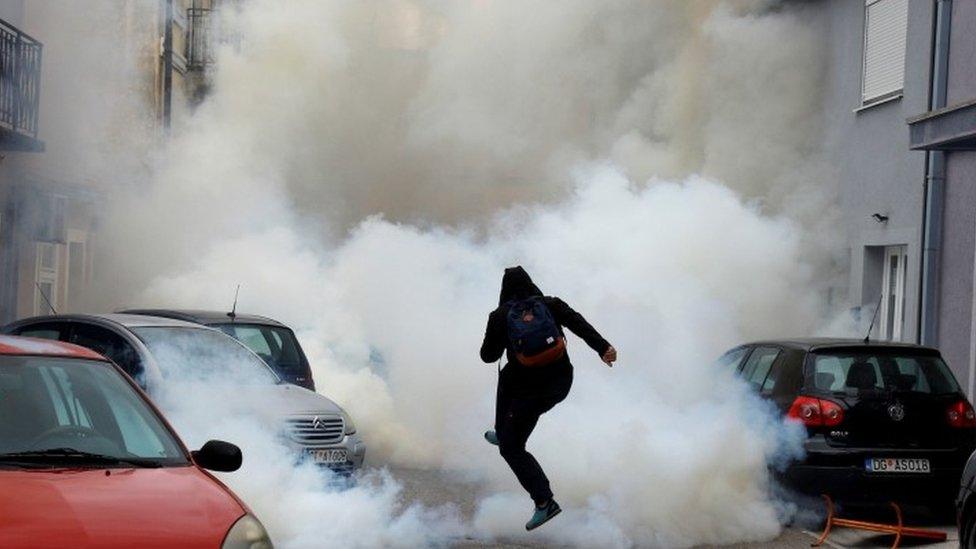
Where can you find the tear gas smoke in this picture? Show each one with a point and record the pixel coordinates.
(329, 112)
(301, 505)
(654, 163)
(662, 436)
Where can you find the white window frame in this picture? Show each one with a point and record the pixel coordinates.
(44, 274)
(871, 97)
(893, 293)
(76, 237)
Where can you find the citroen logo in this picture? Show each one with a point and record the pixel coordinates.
(318, 423)
(896, 411)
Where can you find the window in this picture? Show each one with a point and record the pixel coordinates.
(199, 49)
(255, 340)
(78, 264)
(76, 278)
(202, 354)
(873, 371)
(732, 359)
(892, 314)
(68, 409)
(50, 403)
(758, 365)
(276, 346)
(774, 374)
(46, 278)
(50, 217)
(885, 32)
(108, 343)
(46, 330)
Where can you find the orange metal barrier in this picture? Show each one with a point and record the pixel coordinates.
(899, 530)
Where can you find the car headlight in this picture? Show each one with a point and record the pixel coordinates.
(247, 533)
(350, 426)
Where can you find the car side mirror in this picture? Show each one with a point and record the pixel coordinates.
(218, 455)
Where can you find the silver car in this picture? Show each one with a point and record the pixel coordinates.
(152, 349)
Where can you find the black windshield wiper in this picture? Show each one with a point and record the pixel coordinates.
(76, 455)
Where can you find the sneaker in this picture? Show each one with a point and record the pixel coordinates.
(491, 437)
(543, 514)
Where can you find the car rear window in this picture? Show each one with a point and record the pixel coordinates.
(856, 372)
(276, 346)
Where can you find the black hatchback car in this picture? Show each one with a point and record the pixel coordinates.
(885, 421)
(271, 340)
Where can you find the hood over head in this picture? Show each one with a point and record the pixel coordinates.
(516, 284)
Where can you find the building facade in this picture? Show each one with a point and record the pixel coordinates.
(945, 134)
(67, 92)
(901, 125)
(880, 180)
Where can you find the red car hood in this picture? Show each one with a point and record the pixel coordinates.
(165, 507)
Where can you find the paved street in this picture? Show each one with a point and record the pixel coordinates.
(435, 488)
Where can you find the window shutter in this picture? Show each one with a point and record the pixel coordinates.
(885, 31)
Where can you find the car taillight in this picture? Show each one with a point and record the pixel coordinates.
(816, 412)
(961, 415)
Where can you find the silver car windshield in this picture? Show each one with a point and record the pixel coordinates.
(202, 354)
(61, 410)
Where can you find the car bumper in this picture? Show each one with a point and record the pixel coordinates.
(841, 474)
(854, 485)
(353, 445)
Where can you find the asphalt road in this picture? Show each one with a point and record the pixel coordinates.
(434, 488)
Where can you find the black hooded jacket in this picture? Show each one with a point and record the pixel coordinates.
(516, 284)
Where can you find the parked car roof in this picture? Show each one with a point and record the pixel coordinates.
(206, 317)
(126, 320)
(29, 346)
(817, 343)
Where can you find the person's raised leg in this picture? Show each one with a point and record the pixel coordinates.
(514, 428)
(503, 402)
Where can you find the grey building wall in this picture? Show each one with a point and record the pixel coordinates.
(957, 309)
(12, 11)
(868, 148)
(962, 53)
(956, 280)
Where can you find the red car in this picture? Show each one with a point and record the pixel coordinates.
(86, 460)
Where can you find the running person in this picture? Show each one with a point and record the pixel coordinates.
(527, 389)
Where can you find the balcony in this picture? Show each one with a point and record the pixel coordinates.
(20, 89)
(199, 54)
(952, 128)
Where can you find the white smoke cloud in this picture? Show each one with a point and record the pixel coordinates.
(301, 505)
(393, 320)
(367, 169)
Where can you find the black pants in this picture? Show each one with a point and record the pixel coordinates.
(522, 398)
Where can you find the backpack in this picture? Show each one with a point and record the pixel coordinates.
(533, 333)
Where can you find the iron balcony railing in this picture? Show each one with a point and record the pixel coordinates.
(20, 80)
(199, 47)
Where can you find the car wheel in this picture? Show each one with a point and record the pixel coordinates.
(967, 530)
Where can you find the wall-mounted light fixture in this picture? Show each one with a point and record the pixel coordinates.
(880, 218)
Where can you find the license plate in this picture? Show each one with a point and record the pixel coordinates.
(897, 465)
(327, 455)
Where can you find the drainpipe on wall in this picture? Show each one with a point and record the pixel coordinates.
(9, 258)
(167, 62)
(934, 182)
